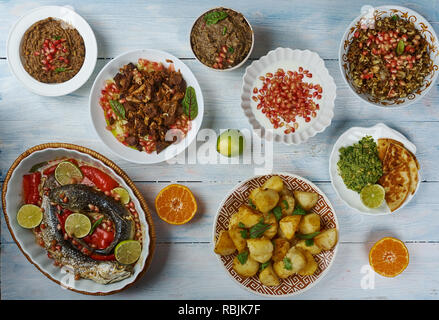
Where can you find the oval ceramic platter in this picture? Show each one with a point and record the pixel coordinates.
(348, 138)
(294, 284)
(25, 239)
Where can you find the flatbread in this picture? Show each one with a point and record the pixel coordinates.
(383, 144)
(396, 155)
(397, 184)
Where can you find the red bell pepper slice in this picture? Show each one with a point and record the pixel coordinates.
(101, 180)
(30, 188)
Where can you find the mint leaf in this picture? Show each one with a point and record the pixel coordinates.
(287, 264)
(309, 242)
(242, 257)
(224, 31)
(285, 202)
(307, 236)
(241, 225)
(57, 70)
(118, 108)
(215, 16)
(231, 50)
(277, 212)
(298, 210)
(258, 229)
(250, 202)
(264, 265)
(190, 105)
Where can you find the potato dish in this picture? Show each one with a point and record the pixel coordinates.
(275, 235)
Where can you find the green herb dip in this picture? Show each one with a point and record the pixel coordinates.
(359, 164)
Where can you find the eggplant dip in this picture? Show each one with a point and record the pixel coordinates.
(52, 51)
(221, 38)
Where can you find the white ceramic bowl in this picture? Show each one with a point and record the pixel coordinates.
(426, 30)
(348, 138)
(289, 59)
(294, 284)
(97, 113)
(68, 15)
(239, 64)
(25, 239)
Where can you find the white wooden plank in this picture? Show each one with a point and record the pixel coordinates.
(180, 271)
(415, 222)
(318, 25)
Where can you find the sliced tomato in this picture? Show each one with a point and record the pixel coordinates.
(101, 180)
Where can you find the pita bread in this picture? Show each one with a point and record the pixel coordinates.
(397, 184)
(396, 155)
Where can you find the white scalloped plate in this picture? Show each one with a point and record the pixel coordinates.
(289, 59)
(348, 138)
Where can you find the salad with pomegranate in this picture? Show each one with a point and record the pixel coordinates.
(83, 218)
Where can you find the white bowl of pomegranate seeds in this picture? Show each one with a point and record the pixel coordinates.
(69, 18)
(389, 56)
(288, 95)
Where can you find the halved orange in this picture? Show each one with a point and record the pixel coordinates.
(389, 257)
(175, 204)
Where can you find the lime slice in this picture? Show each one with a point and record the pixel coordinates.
(124, 195)
(372, 195)
(67, 173)
(77, 225)
(230, 143)
(29, 216)
(128, 251)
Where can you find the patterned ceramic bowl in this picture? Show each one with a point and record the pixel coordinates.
(427, 32)
(295, 284)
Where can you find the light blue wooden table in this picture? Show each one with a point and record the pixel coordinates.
(184, 266)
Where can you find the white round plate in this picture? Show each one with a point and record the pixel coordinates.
(68, 15)
(348, 138)
(421, 24)
(289, 59)
(98, 118)
(294, 284)
(25, 239)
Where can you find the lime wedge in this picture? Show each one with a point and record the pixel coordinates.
(372, 195)
(77, 225)
(124, 195)
(128, 251)
(29, 216)
(230, 143)
(67, 173)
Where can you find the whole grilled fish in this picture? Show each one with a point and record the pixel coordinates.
(103, 272)
(79, 199)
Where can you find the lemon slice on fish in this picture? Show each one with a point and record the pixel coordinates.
(77, 225)
(372, 195)
(124, 195)
(67, 173)
(29, 216)
(128, 251)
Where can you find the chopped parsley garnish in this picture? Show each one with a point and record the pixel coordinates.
(242, 257)
(287, 263)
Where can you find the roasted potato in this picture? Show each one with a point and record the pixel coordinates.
(309, 223)
(270, 219)
(265, 200)
(311, 265)
(281, 247)
(268, 277)
(306, 200)
(260, 249)
(248, 269)
(224, 244)
(253, 193)
(287, 203)
(326, 239)
(248, 216)
(296, 262)
(238, 240)
(285, 191)
(289, 225)
(314, 249)
(275, 183)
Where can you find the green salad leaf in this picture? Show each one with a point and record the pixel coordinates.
(190, 105)
(215, 16)
(118, 108)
